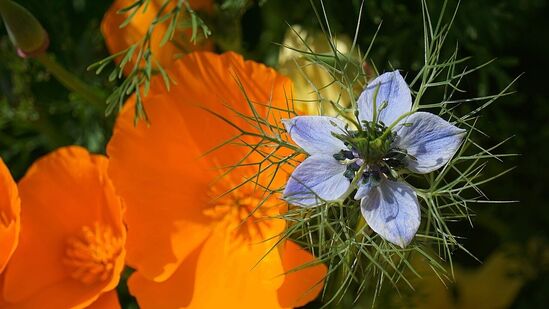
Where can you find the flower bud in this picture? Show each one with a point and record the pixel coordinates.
(24, 30)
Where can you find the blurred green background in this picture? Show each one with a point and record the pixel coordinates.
(37, 114)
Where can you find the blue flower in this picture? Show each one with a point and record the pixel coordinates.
(369, 159)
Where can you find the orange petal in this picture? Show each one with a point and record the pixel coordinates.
(175, 292)
(300, 286)
(119, 39)
(9, 215)
(158, 169)
(239, 275)
(62, 195)
(227, 85)
(221, 274)
(65, 294)
(165, 189)
(107, 300)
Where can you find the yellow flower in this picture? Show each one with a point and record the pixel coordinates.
(494, 284)
(313, 82)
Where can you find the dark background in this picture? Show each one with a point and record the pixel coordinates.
(38, 115)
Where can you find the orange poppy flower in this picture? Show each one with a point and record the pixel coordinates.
(191, 244)
(71, 246)
(118, 39)
(9, 215)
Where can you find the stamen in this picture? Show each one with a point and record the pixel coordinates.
(344, 154)
(349, 174)
(354, 167)
(92, 254)
(395, 158)
(244, 212)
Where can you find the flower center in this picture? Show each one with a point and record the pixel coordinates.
(91, 255)
(367, 147)
(246, 212)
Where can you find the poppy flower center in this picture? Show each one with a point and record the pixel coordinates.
(91, 254)
(245, 212)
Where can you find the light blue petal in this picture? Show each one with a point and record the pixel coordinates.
(392, 210)
(393, 90)
(314, 133)
(363, 189)
(430, 139)
(319, 178)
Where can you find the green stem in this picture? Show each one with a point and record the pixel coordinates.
(349, 256)
(342, 113)
(351, 120)
(71, 81)
(376, 91)
(390, 128)
(359, 227)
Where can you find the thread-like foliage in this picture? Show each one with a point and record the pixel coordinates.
(140, 55)
(359, 260)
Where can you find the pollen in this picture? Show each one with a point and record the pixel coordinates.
(91, 254)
